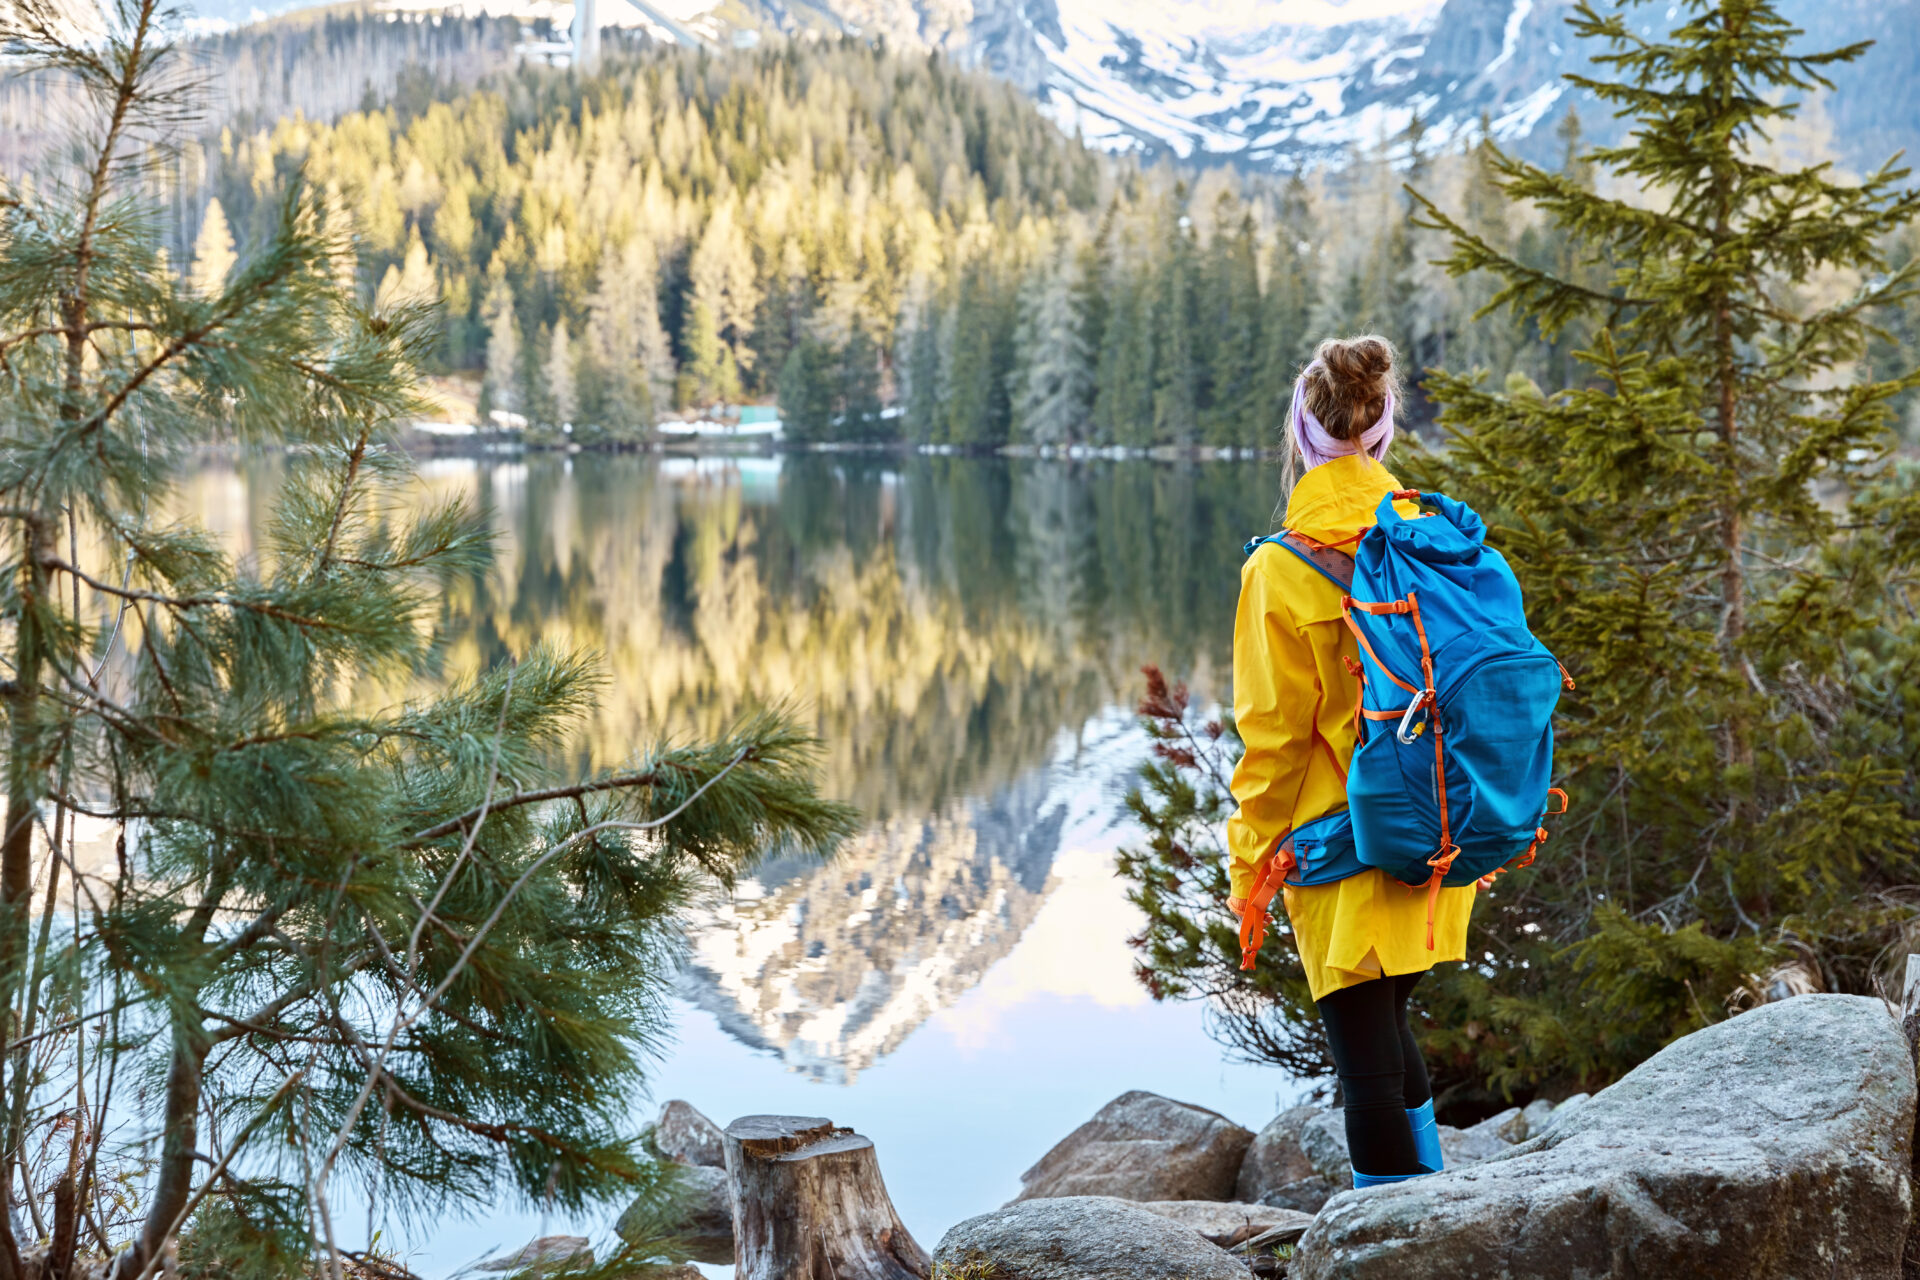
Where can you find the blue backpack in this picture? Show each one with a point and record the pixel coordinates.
(1453, 768)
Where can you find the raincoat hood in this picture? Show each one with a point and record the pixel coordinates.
(1339, 498)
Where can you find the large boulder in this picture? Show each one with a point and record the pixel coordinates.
(1306, 1196)
(1776, 1144)
(1275, 1159)
(1142, 1146)
(544, 1256)
(698, 1217)
(1227, 1224)
(683, 1135)
(1324, 1140)
(1082, 1238)
(1483, 1141)
(695, 1222)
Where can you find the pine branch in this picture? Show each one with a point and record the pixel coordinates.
(618, 782)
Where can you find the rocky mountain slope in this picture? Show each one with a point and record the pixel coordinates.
(1270, 83)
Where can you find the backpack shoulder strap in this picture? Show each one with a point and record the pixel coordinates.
(1331, 563)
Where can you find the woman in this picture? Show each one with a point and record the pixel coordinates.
(1363, 939)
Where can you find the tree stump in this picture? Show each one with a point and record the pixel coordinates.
(808, 1204)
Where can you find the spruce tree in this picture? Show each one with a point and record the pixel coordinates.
(365, 935)
(1714, 538)
(807, 393)
(502, 383)
(213, 255)
(1231, 349)
(1052, 381)
(1706, 530)
(857, 374)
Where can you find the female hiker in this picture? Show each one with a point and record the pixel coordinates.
(1363, 937)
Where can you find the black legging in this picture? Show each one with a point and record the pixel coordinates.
(1381, 1074)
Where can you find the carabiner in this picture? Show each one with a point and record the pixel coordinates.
(1405, 732)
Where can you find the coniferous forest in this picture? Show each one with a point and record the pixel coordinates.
(892, 248)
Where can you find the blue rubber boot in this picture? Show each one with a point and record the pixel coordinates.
(1426, 1137)
(1380, 1179)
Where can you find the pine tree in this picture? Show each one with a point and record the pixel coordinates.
(722, 298)
(502, 383)
(1052, 389)
(976, 407)
(558, 376)
(923, 418)
(213, 255)
(1177, 361)
(626, 344)
(858, 377)
(412, 283)
(1231, 314)
(807, 394)
(1123, 403)
(346, 941)
(1287, 311)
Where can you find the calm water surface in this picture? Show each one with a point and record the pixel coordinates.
(965, 636)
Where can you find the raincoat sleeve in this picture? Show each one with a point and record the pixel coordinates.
(1274, 699)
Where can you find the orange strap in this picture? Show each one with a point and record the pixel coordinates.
(1269, 874)
(1318, 545)
(1442, 859)
(1358, 671)
(1348, 604)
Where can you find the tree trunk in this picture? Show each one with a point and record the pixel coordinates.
(179, 1138)
(809, 1204)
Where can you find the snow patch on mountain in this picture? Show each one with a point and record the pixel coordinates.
(1225, 89)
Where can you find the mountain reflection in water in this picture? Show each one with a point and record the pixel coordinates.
(964, 635)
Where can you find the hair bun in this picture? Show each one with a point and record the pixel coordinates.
(1349, 382)
(1357, 368)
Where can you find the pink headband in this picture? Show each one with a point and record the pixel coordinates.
(1318, 446)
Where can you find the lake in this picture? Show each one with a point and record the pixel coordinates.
(965, 636)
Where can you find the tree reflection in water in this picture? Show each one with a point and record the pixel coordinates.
(946, 623)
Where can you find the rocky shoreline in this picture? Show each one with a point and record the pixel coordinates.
(1777, 1144)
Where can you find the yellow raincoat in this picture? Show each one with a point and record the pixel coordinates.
(1293, 698)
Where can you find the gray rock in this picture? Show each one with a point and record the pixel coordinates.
(1776, 1144)
(1483, 1140)
(1567, 1108)
(1306, 1195)
(1142, 1146)
(698, 1220)
(1536, 1116)
(545, 1256)
(1510, 1125)
(1083, 1238)
(1227, 1224)
(1324, 1140)
(1275, 1158)
(685, 1136)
